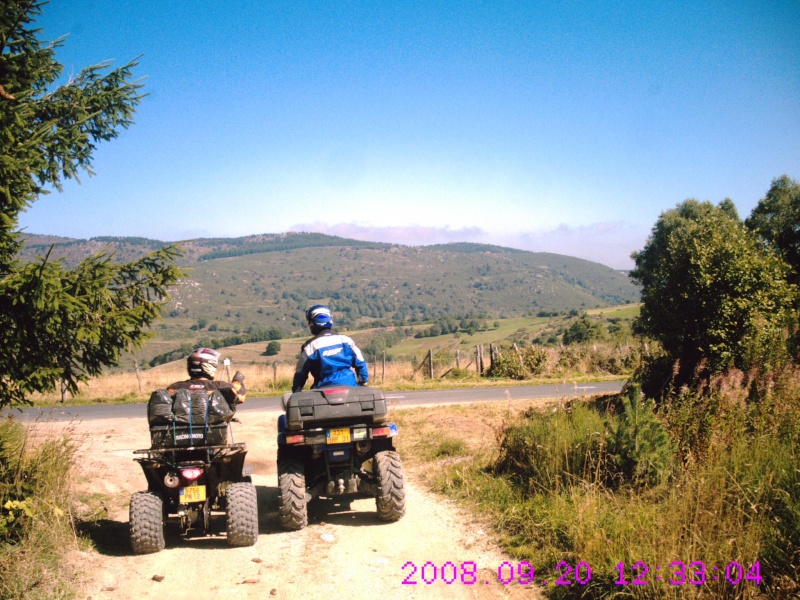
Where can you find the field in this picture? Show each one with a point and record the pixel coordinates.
(273, 374)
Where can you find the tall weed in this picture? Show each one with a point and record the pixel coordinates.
(36, 529)
(551, 452)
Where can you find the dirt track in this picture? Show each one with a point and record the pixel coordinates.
(345, 552)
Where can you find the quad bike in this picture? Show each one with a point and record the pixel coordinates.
(336, 442)
(192, 472)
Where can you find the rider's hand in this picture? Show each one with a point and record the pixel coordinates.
(238, 376)
(362, 383)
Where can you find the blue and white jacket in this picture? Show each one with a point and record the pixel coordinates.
(330, 358)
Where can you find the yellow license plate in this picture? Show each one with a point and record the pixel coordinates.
(194, 493)
(339, 436)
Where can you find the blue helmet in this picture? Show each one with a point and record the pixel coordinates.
(319, 317)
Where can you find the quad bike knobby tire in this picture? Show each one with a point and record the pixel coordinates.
(146, 523)
(242, 514)
(391, 498)
(292, 506)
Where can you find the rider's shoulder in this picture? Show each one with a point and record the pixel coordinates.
(198, 384)
(325, 333)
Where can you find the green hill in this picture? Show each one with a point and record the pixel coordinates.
(240, 287)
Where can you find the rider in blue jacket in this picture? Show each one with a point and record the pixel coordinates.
(329, 357)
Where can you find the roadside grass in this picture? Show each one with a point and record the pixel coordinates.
(550, 479)
(37, 532)
(569, 366)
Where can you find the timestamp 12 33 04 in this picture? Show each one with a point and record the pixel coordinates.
(695, 573)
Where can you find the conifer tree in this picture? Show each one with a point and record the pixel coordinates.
(55, 323)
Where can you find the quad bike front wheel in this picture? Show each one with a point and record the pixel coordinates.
(391, 498)
(242, 514)
(146, 523)
(292, 506)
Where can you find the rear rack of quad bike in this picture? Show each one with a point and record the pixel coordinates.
(218, 452)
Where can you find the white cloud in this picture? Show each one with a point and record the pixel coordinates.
(406, 235)
(609, 243)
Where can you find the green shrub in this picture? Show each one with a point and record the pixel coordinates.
(583, 330)
(534, 359)
(508, 366)
(640, 444)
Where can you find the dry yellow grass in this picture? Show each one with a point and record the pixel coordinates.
(272, 378)
(273, 375)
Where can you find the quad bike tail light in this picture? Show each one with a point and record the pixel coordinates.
(387, 431)
(191, 474)
(335, 391)
(295, 439)
(380, 432)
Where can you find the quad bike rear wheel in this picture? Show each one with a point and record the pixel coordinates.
(242, 514)
(146, 523)
(391, 498)
(292, 506)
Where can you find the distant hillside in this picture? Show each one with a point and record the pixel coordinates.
(240, 285)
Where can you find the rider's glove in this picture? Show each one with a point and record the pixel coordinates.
(238, 376)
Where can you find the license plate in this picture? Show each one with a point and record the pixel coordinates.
(339, 436)
(194, 493)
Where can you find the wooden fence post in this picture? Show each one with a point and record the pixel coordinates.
(383, 370)
(138, 376)
(458, 359)
(430, 362)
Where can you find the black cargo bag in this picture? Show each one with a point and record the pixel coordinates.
(189, 407)
(200, 435)
(219, 411)
(159, 408)
(200, 407)
(182, 436)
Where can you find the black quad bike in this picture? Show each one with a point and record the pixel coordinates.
(193, 472)
(337, 442)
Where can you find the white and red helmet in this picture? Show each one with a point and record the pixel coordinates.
(202, 363)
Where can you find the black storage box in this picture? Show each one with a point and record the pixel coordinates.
(337, 405)
(182, 436)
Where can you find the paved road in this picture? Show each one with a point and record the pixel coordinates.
(411, 398)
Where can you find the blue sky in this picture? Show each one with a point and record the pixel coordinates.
(562, 127)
